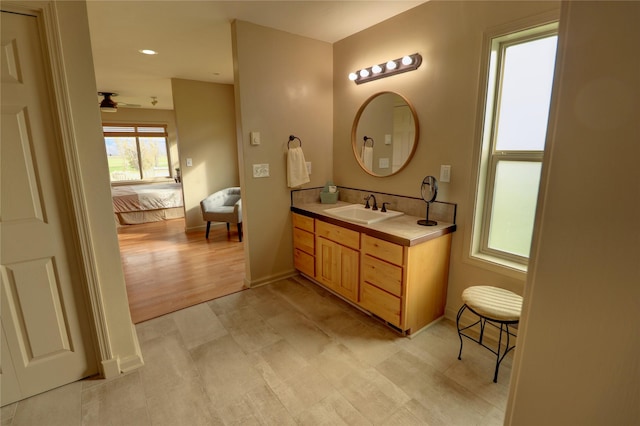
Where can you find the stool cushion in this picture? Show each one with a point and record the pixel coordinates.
(493, 302)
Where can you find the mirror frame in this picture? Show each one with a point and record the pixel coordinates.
(354, 130)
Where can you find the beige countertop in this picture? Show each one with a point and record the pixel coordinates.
(403, 230)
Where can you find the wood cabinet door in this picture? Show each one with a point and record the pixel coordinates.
(327, 262)
(337, 267)
(349, 273)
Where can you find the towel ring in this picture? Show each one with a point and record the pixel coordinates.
(367, 138)
(292, 138)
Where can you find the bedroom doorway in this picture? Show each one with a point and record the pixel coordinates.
(167, 269)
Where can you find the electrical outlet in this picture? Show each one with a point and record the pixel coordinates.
(260, 170)
(445, 173)
(308, 163)
(189, 162)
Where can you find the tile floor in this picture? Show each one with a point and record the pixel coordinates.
(284, 354)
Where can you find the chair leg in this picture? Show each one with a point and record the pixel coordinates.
(464, 306)
(228, 227)
(240, 231)
(208, 227)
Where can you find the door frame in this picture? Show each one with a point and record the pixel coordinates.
(45, 13)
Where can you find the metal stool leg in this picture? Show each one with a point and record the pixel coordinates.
(482, 321)
(507, 348)
(495, 375)
(458, 327)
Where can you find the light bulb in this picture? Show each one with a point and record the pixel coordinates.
(407, 60)
(364, 73)
(391, 65)
(353, 76)
(376, 69)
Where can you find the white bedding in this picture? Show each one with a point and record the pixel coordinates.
(132, 198)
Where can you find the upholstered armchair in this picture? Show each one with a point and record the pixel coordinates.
(223, 206)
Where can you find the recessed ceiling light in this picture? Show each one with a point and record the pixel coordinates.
(148, 51)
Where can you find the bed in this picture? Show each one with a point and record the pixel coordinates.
(134, 204)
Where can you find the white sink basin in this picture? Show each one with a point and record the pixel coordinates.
(357, 213)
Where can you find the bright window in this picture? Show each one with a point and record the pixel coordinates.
(517, 108)
(136, 152)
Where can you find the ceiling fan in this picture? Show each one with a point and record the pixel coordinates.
(109, 105)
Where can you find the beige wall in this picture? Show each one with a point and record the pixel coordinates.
(444, 92)
(283, 87)
(149, 116)
(582, 296)
(207, 132)
(87, 133)
(577, 361)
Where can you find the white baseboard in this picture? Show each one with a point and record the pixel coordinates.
(110, 368)
(131, 363)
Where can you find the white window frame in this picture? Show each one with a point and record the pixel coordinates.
(488, 157)
(137, 135)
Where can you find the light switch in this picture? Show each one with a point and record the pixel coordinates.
(189, 162)
(254, 138)
(387, 139)
(445, 173)
(308, 163)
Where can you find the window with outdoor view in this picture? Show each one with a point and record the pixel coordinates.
(136, 152)
(521, 68)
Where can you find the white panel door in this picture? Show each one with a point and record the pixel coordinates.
(403, 136)
(46, 341)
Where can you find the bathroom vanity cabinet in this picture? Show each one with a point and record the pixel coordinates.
(403, 282)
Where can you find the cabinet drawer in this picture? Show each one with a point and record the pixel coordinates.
(304, 241)
(303, 222)
(345, 237)
(382, 274)
(380, 303)
(381, 249)
(304, 262)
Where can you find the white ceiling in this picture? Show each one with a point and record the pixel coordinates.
(193, 38)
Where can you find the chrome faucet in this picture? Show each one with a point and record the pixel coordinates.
(375, 203)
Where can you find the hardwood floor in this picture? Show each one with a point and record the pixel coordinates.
(167, 269)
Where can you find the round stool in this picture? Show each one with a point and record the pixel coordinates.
(494, 306)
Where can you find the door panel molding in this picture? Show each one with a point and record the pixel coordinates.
(21, 168)
(30, 315)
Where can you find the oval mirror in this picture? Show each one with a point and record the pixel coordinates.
(385, 134)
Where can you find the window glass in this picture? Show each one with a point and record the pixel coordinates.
(122, 155)
(155, 162)
(515, 195)
(136, 152)
(525, 94)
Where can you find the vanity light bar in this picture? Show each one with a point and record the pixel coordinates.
(393, 67)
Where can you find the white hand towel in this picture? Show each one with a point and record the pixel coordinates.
(296, 168)
(367, 157)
